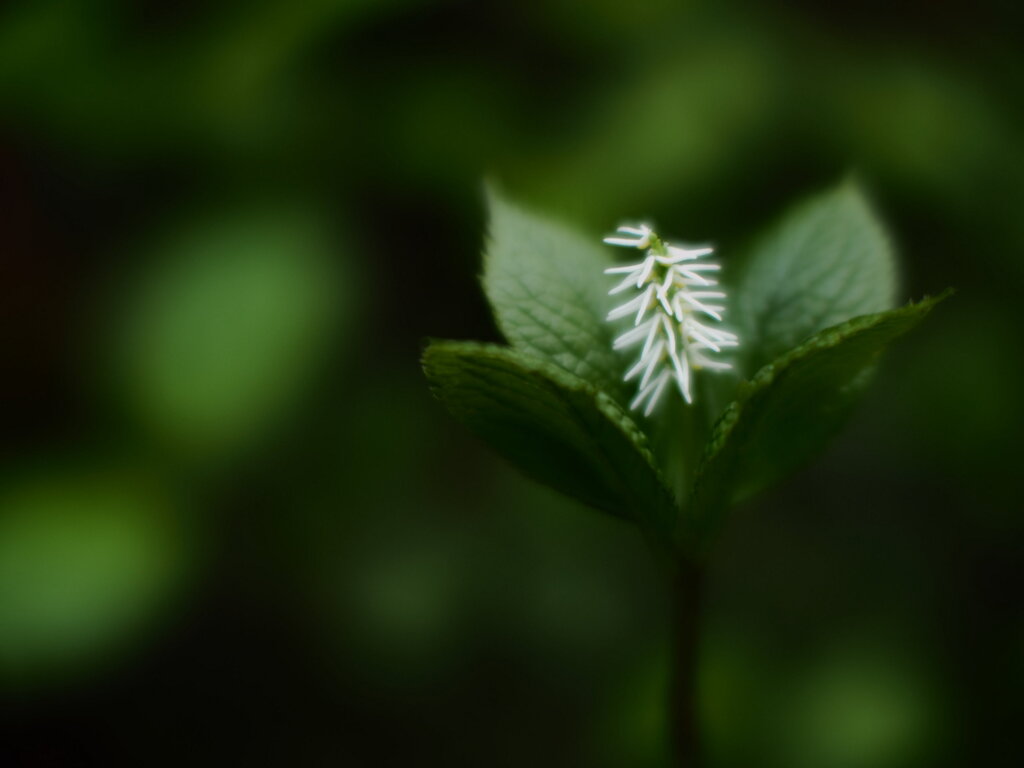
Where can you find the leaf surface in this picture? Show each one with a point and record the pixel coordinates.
(828, 260)
(789, 410)
(554, 426)
(547, 287)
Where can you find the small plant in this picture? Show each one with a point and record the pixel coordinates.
(811, 308)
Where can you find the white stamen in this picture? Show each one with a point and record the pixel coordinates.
(641, 237)
(675, 343)
(662, 380)
(653, 361)
(651, 338)
(622, 286)
(634, 334)
(645, 272)
(645, 304)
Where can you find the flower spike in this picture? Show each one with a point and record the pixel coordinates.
(671, 284)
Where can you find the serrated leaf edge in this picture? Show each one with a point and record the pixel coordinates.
(769, 373)
(562, 379)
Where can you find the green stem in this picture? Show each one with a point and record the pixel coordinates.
(686, 606)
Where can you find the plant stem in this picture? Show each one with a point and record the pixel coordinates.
(686, 604)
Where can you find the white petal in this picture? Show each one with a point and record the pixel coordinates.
(623, 241)
(659, 386)
(707, 294)
(682, 369)
(627, 283)
(681, 310)
(625, 268)
(713, 365)
(670, 332)
(685, 254)
(704, 266)
(717, 334)
(633, 335)
(641, 236)
(645, 272)
(642, 229)
(645, 304)
(663, 294)
(653, 361)
(651, 336)
(626, 309)
(635, 370)
(687, 278)
(703, 339)
(642, 395)
(701, 307)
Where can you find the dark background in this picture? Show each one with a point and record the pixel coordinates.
(235, 528)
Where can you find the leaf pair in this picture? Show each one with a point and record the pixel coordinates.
(553, 402)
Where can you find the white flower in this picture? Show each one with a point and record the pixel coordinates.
(669, 285)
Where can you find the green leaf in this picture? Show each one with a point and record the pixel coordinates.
(86, 561)
(789, 410)
(827, 261)
(547, 287)
(225, 327)
(556, 427)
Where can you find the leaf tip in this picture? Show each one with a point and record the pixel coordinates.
(928, 303)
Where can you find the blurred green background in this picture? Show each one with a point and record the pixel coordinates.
(235, 528)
